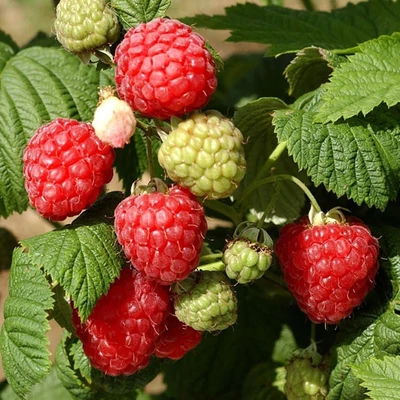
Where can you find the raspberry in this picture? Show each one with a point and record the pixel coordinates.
(329, 268)
(177, 340)
(164, 69)
(65, 168)
(121, 333)
(162, 234)
(205, 154)
(113, 120)
(305, 381)
(210, 304)
(246, 261)
(85, 25)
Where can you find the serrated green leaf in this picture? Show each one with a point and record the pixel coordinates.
(85, 257)
(219, 365)
(359, 158)
(131, 161)
(62, 312)
(23, 340)
(50, 389)
(65, 369)
(371, 77)
(6, 52)
(133, 12)
(380, 377)
(254, 121)
(288, 30)
(37, 85)
(284, 346)
(308, 70)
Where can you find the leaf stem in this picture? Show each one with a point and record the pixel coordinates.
(210, 257)
(281, 177)
(224, 209)
(273, 157)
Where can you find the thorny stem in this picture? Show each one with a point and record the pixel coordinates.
(308, 5)
(282, 177)
(224, 209)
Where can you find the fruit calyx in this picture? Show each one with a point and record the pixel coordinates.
(333, 216)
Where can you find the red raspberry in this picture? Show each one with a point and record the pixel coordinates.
(162, 234)
(177, 340)
(65, 168)
(164, 69)
(121, 333)
(328, 268)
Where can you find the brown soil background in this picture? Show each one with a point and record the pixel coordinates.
(22, 19)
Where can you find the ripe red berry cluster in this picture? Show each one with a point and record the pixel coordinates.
(329, 268)
(131, 323)
(164, 69)
(162, 234)
(65, 168)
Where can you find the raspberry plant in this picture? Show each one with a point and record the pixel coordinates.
(267, 141)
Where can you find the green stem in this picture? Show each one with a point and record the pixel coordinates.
(209, 257)
(308, 5)
(224, 209)
(273, 157)
(282, 177)
(150, 157)
(313, 333)
(333, 4)
(217, 266)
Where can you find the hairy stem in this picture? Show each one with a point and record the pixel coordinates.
(150, 157)
(214, 267)
(273, 157)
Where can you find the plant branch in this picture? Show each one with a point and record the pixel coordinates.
(308, 5)
(224, 209)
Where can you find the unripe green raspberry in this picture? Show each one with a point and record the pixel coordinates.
(85, 25)
(246, 261)
(209, 305)
(304, 381)
(205, 154)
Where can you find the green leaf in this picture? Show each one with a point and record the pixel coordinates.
(85, 382)
(85, 257)
(359, 157)
(37, 85)
(7, 39)
(288, 30)
(133, 12)
(371, 77)
(219, 365)
(380, 377)
(309, 69)
(70, 378)
(284, 346)
(131, 161)
(254, 121)
(23, 340)
(62, 312)
(51, 388)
